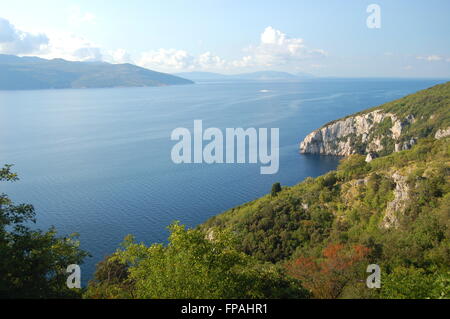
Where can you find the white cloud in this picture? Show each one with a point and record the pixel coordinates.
(208, 61)
(70, 47)
(243, 62)
(118, 56)
(273, 36)
(166, 59)
(14, 41)
(430, 58)
(49, 45)
(276, 49)
(176, 60)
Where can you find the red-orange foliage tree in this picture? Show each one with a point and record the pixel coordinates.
(326, 277)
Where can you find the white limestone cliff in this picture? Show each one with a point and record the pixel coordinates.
(341, 137)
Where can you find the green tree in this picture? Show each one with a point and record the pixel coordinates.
(33, 263)
(194, 266)
(415, 283)
(110, 280)
(276, 188)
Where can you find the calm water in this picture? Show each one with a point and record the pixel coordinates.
(97, 161)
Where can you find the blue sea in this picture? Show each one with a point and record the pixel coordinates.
(98, 161)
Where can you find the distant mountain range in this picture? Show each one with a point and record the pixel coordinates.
(254, 76)
(28, 73)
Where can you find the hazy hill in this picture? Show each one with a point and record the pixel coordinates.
(266, 75)
(253, 76)
(26, 73)
(203, 76)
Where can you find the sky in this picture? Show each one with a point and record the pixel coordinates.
(399, 38)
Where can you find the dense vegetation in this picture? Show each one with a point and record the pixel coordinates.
(422, 113)
(392, 211)
(33, 263)
(347, 209)
(314, 239)
(192, 265)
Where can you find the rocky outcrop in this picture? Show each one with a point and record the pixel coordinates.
(442, 133)
(406, 145)
(361, 133)
(398, 204)
(370, 157)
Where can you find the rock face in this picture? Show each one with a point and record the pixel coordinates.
(406, 145)
(370, 157)
(362, 134)
(442, 133)
(392, 127)
(398, 204)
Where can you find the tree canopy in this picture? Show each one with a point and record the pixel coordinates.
(33, 262)
(192, 265)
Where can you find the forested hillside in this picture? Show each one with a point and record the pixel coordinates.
(393, 211)
(311, 240)
(317, 238)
